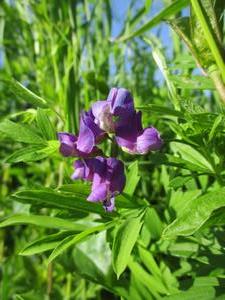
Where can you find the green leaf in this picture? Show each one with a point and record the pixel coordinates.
(50, 198)
(171, 160)
(179, 181)
(219, 119)
(73, 240)
(27, 154)
(42, 221)
(160, 60)
(153, 223)
(154, 285)
(77, 187)
(206, 281)
(44, 244)
(20, 133)
(167, 12)
(193, 82)
(138, 290)
(206, 34)
(94, 264)
(33, 153)
(122, 200)
(193, 156)
(195, 214)
(132, 179)
(22, 92)
(179, 199)
(182, 27)
(200, 293)
(148, 4)
(149, 262)
(217, 218)
(88, 268)
(184, 249)
(45, 125)
(97, 82)
(161, 110)
(124, 241)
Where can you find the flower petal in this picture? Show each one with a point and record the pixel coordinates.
(115, 175)
(98, 107)
(109, 205)
(149, 140)
(103, 116)
(67, 144)
(121, 101)
(98, 193)
(126, 135)
(86, 138)
(79, 172)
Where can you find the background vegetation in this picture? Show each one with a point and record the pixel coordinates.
(166, 239)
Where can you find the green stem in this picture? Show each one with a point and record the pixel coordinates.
(219, 85)
(209, 37)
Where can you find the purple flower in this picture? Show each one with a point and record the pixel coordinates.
(107, 176)
(136, 140)
(68, 146)
(83, 169)
(90, 134)
(114, 111)
(83, 145)
(117, 115)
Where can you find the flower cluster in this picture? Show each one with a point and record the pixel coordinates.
(115, 115)
(107, 175)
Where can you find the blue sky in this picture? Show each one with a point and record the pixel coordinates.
(120, 8)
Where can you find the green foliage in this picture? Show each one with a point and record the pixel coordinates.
(195, 214)
(20, 133)
(166, 238)
(124, 241)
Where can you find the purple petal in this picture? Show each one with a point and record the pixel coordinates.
(67, 144)
(86, 138)
(79, 172)
(109, 205)
(112, 94)
(98, 193)
(149, 140)
(103, 116)
(98, 107)
(90, 122)
(121, 101)
(84, 169)
(115, 175)
(126, 135)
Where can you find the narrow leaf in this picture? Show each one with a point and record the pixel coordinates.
(51, 198)
(22, 92)
(73, 240)
(42, 221)
(132, 179)
(44, 244)
(161, 110)
(154, 285)
(33, 153)
(45, 125)
(124, 241)
(190, 154)
(20, 133)
(167, 12)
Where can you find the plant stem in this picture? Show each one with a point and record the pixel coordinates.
(209, 37)
(219, 85)
(49, 282)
